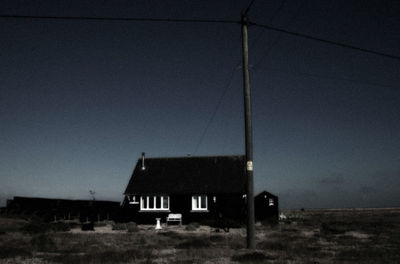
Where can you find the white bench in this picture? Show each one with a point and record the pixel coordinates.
(174, 218)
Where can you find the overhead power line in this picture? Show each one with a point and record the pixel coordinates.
(248, 7)
(325, 41)
(137, 19)
(225, 90)
(276, 38)
(329, 77)
(278, 10)
(174, 20)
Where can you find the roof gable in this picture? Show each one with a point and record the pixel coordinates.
(267, 194)
(218, 174)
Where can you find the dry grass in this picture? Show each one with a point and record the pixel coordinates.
(324, 236)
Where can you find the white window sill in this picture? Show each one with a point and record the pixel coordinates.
(133, 202)
(154, 211)
(199, 211)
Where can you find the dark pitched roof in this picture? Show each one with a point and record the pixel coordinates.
(266, 193)
(218, 174)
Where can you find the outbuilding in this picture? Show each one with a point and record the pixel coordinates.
(266, 207)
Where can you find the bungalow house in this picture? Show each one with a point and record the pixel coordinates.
(201, 189)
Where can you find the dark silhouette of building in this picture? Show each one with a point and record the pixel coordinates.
(206, 189)
(266, 207)
(202, 189)
(57, 209)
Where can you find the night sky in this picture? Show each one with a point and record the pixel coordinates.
(80, 100)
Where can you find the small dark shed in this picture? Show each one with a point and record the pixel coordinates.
(266, 206)
(201, 189)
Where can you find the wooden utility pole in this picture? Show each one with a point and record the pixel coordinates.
(248, 137)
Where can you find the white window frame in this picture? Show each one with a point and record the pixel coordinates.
(196, 200)
(154, 208)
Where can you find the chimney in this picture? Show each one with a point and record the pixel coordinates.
(143, 167)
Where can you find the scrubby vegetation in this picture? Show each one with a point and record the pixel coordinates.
(192, 226)
(331, 236)
(132, 227)
(35, 226)
(43, 242)
(253, 257)
(60, 227)
(119, 226)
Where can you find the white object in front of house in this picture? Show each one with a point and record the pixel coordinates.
(158, 225)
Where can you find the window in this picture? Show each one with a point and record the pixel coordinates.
(199, 203)
(271, 202)
(132, 199)
(155, 203)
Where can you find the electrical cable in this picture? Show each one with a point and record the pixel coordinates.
(278, 10)
(135, 19)
(215, 109)
(327, 77)
(248, 8)
(277, 38)
(339, 44)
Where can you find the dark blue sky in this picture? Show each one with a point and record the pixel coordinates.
(80, 100)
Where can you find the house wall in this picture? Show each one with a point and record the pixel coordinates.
(226, 206)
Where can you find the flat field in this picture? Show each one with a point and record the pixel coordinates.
(311, 236)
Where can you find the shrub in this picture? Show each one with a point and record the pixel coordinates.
(270, 221)
(12, 252)
(88, 227)
(119, 226)
(237, 244)
(308, 223)
(272, 245)
(333, 228)
(217, 238)
(132, 227)
(226, 223)
(103, 257)
(192, 226)
(171, 234)
(35, 226)
(60, 227)
(253, 257)
(100, 224)
(194, 243)
(43, 242)
(9, 224)
(74, 225)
